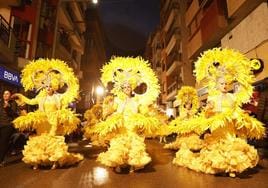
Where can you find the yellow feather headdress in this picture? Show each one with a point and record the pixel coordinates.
(188, 94)
(50, 72)
(230, 64)
(133, 71)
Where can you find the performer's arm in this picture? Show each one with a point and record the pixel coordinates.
(21, 99)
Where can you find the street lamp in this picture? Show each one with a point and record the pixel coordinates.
(99, 90)
(95, 1)
(99, 93)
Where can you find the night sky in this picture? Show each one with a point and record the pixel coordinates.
(127, 24)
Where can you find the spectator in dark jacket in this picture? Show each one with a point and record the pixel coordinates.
(8, 111)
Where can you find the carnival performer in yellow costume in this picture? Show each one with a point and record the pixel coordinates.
(225, 147)
(127, 126)
(188, 107)
(53, 119)
(95, 115)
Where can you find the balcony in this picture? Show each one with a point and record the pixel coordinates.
(195, 44)
(5, 31)
(78, 41)
(65, 52)
(164, 7)
(239, 9)
(64, 43)
(169, 13)
(233, 6)
(173, 61)
(191, 12)
(173, 36)
(7, 43)
(170, 19)
(65, 19)
(175, 30)
(22, 48)
(172, 91)
(213, 21)
(69, 19)
(156, 55)
(78, 19)
(172, 68)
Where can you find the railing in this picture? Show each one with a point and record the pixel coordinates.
(172, 5)
(63, 39)
(172, 88)
(4, 30)
(70, 12)
(174, 31)
(22, 48)
(174, 56)
(6, 34)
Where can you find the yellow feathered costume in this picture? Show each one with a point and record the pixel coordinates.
(225, 149)
(94, 116)
(53, 119)
(189, 104)
(127, 126)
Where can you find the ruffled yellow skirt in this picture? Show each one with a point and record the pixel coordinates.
(126, 149)
(191, 140)
(47, 150)
(229, 155)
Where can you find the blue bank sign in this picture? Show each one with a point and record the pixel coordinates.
(9, 76)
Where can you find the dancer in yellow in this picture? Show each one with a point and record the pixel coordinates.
(95, 115)
(53, 119)
(189, 104)
(127, 126)
(225, 148)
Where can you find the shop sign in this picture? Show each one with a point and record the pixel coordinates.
(9, 76)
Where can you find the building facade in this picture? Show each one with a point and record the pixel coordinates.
(153, 51)
(187, 28)
(169, 53)
(51, 29)
(93, 59)
(9, 72)
(250, 36)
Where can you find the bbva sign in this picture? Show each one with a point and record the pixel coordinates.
(9, 76)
